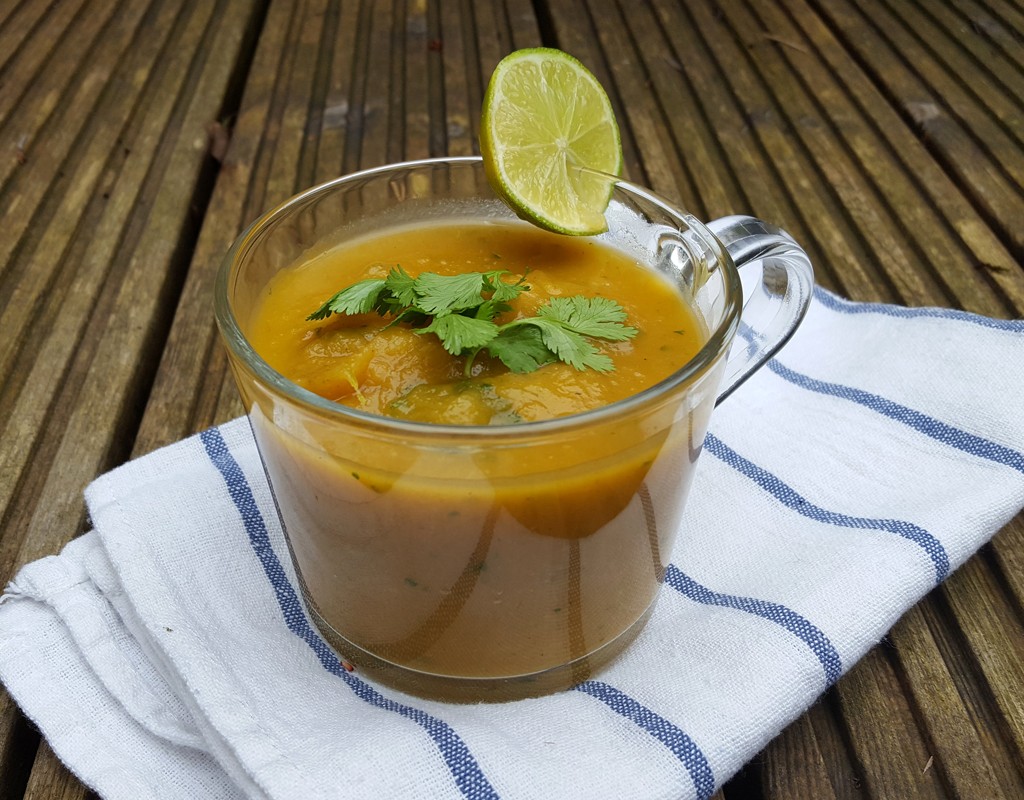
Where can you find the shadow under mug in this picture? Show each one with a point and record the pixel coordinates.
(490, 563)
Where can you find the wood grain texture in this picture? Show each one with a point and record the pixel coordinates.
(51, 780)
(794, 765)
(892, 753)
(959, 131)
(956, 712)
(994, 635)
(1007, 550)
(193, 369)
(103, 210)
(18, 743)
(138, 138)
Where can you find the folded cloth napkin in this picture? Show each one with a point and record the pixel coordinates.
(166, 654)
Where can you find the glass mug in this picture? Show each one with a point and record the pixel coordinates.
(494, 562)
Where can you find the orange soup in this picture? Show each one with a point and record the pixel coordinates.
(364, 362)
(476, 552)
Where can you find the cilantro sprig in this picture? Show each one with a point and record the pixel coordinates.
(460, 310)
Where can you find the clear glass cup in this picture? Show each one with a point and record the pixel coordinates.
(489, 563)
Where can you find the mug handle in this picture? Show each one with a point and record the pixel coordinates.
(778, 282)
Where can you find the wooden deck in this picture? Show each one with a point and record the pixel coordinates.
(138, 136)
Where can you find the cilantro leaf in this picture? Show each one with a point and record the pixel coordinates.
(359, 298)
(458, 333)
(591, 316)
(489, 309)
(445, 294)
(460, 310)
(521, 349)
(504, 291)
(402, 286)
(570, 346)
(567, 323)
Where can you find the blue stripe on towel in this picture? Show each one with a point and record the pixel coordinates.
(674, 738)
(843, 306)
(793, 622)
(464, 768)
(929, 426)
(789, 497)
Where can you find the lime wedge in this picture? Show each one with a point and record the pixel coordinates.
(549, 141)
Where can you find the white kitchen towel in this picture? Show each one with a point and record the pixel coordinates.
(166, 654)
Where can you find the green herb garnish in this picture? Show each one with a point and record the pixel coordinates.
(460, 310)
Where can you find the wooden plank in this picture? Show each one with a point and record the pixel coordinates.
(305, 95)
(832, 769)
(1007, 552)
(492, 37)
(998, 21)
(794, 765)
(496, 29)
(846, 774)
(985, 253)
(994, 634)
(28, 49)
(739, 152)
(54, 125)
(29, 392)
(991, 47)
(410, 38)
(460, 130)
(40, 370)
(438, 133)
(92, 425)
(887, 248)
(935, 677)
(357, 100)
(18, 743)
(742, 121)
(337, 101)
(659, 166)
(323, 28)
(934, 250)
(51, 780)
(995, 87)
(787, 188)
(716, 187)
(286, 125)
(896, 759)
(277, 75)
(9, 13)
(937, 106)
(374, 150)
(394, 93)
(521, 18)
(191, 390)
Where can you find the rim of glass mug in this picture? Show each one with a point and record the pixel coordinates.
(756, 240)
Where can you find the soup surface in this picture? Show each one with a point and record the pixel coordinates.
(364, 362)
